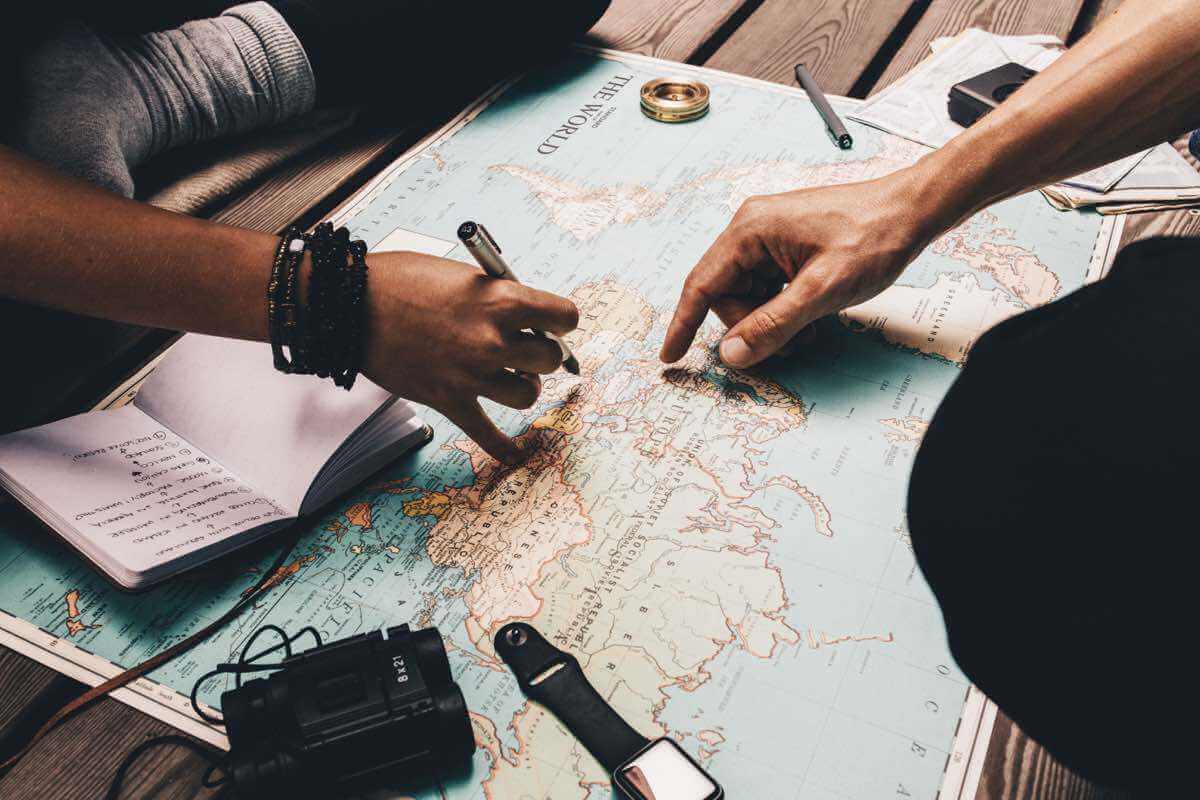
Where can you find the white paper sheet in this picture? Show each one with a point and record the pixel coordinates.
(1163, 180)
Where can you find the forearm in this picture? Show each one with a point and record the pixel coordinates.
(1130, 84)
(66, 244)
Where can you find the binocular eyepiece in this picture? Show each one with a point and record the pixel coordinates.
(367, 711)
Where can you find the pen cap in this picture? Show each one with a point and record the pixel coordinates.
(467, 232)
(473, 235)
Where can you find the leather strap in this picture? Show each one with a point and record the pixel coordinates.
(568, 694)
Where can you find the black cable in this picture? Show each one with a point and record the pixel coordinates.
(207, 780)
(246, 663)
(222, 669)
(216, 761)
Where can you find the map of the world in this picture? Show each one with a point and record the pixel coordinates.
(725, 551)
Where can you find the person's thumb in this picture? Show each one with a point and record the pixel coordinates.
(766, 329)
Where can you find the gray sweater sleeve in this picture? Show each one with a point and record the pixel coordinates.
(98, 106)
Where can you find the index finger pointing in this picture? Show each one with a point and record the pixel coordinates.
(694, 303)
(483, 432)
(715, 274)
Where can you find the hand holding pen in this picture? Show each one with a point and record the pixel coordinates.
(443, 334)
(486, 252)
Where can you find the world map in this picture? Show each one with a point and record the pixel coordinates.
(725, 551)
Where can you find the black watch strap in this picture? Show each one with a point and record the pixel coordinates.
(568, 694)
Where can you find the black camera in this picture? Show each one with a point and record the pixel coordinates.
(974, 97)
(372, 710)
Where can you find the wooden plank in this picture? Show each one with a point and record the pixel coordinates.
(673, 29)
(1017, 768)
(20, 681)
(317, 181)
(79, 759)
(949, 17)
(836, 39)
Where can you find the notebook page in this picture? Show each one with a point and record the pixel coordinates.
(274, 430)
(128, 491)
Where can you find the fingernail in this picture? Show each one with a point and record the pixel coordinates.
(735, 353)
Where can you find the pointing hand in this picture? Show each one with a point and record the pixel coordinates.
(787, 260)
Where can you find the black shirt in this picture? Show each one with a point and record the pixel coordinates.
(1052, 509)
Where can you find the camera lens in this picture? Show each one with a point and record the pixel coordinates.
(431, 655)
(457, 737)
(246, 717)
(267, 772)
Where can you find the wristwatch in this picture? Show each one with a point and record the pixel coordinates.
(642, 769)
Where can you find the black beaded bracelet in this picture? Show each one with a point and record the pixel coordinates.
(322, 285)
(324, 335)
(353, 311)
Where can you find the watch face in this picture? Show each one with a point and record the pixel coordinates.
(663, 771)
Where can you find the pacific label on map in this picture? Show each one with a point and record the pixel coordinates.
(725, 551)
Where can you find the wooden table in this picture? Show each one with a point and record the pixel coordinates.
(853, 46)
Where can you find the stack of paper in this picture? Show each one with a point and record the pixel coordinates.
(915, 107)
(1162, 181)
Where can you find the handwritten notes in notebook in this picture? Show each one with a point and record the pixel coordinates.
(217, 450)
(132, 489)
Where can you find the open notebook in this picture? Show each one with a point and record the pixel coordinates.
(217, 450)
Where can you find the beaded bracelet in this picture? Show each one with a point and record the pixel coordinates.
(327, 260)
(324, 336)
(274, 290)
(353, 309)
(283, 308)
